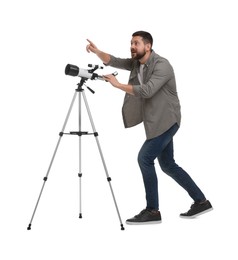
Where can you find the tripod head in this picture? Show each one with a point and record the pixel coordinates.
(80, 86)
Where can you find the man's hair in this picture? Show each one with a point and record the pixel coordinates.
(146, 37)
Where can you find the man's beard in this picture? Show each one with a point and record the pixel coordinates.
(137, 56)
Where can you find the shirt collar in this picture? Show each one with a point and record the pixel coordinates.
(150, 58)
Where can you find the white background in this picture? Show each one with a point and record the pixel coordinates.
(38, 39)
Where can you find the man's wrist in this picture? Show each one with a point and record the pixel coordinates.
(127, 88)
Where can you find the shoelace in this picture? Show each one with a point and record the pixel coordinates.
(141, 213)
(193, 205)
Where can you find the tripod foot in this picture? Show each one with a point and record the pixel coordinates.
(29, 227)
(80, 215)
(122, 227)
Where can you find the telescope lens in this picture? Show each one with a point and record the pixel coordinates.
(71, 70)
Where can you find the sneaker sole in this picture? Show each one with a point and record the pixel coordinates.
(144, 223)
(198, 214)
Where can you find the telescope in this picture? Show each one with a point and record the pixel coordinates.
(73, 70)
(85, 74)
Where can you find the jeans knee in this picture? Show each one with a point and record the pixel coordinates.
(167, 167)
(163, 166)
(144, 160)
(140, 158)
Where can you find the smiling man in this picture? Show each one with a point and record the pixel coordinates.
(151, 97)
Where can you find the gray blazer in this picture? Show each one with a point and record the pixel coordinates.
(155, 102)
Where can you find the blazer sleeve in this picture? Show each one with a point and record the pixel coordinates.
(119, 63)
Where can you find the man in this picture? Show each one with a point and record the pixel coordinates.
(151, 97)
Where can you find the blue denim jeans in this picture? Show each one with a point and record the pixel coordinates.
(161, 147)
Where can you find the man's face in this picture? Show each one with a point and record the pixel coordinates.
(138, 48)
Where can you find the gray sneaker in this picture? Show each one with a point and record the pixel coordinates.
(146, 216)
(197, 209)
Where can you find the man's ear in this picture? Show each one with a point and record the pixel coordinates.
(148, 46)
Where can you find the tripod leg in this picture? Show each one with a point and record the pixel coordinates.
(102, 157)
(52, 159)
(80, 152)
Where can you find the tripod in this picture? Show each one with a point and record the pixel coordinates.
(79, 91)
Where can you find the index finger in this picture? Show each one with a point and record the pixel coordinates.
(89, 41)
